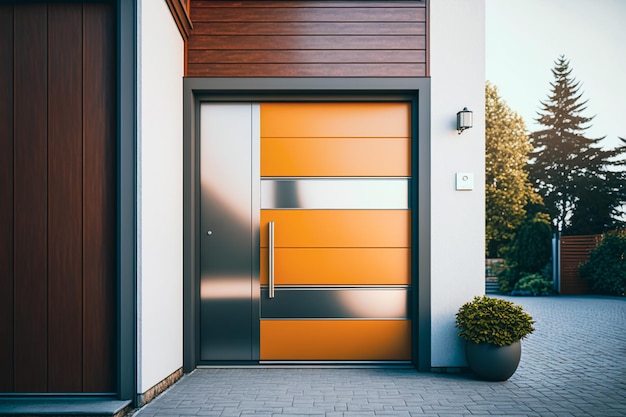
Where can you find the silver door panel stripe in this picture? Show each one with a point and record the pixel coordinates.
(335, 193)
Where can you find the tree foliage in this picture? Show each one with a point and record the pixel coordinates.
(507, 187)
(529, 253)
(601, 196)
(580, 182)
(533, 284)
(606, 267)
(532, 247)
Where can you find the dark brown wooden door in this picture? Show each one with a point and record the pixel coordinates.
(57, 197)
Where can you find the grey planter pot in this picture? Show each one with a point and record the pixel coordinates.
(491, 362)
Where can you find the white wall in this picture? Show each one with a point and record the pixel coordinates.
(457, 68)
(160, 194)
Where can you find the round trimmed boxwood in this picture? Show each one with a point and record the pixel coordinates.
(492, 320)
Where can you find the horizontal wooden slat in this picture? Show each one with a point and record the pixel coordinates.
(339, 266)
(317, 3)
(338, 228)
(333, 120)
(265, 42)
(335, 157)
(309, 28)
(211, 57)
(313, 14)
(335, 340)
(308, 70)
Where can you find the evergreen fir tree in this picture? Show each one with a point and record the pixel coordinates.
(581, 183)
(601, 197)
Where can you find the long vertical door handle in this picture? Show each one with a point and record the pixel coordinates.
(271, 259)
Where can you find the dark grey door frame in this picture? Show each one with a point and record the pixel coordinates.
(264, 89)
(127, 200)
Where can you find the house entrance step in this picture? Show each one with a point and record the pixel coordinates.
(48, 407)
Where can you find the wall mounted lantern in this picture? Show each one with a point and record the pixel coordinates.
(464, 120)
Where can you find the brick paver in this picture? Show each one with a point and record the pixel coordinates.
(574, 364)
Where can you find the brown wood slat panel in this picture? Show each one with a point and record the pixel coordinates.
(30, 226)
(65, 287)
(334, 14)
(322, 3)
(309, 28)
(575, 251)
(307, 56)
(307, 42)
(6, 198)
(306, 70)
(99, 198)
(392, 33)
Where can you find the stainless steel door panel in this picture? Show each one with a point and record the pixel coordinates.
(336, 303)
(227, 256)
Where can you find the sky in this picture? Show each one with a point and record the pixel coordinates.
(525, 38)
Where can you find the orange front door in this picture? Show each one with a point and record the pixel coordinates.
(335, 181)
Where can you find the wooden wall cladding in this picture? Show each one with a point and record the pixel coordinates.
(307, 39)
(57, 197)
(6, 198)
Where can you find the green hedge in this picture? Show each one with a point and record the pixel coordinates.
(606, 267)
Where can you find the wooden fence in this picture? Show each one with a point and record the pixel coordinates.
(575, 251)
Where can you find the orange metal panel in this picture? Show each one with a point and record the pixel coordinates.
(335, 340)
(335, 157)
(339, 266)
(351, 120)
(338, 228)
(337, 247)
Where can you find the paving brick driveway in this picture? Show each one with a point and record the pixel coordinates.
(574, 364)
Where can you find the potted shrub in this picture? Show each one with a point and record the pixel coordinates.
(492, 329)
